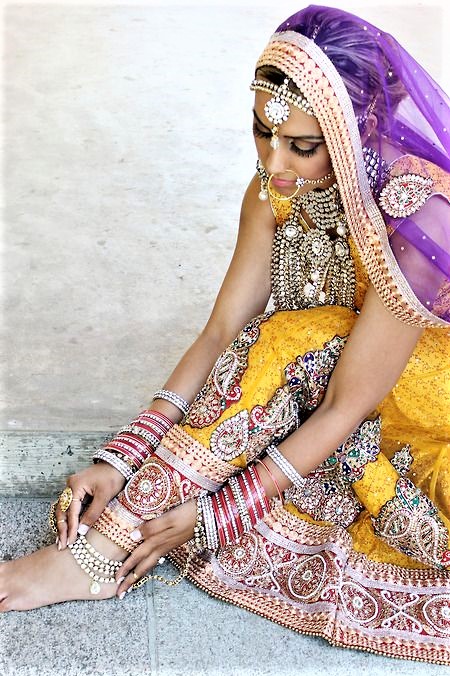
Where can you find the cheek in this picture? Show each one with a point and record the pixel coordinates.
(261, 146)
(314, 166)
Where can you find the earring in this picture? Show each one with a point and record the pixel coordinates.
(263, 193)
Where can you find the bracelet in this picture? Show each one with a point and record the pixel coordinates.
(275, 482)
(248, 497)
(262, 503)
(240, 501)
(289, 470)
(149, 437)
(212, 537)
(200, 542)
(174, 399)
(116, 462)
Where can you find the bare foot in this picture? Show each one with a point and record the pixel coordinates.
(51, 576)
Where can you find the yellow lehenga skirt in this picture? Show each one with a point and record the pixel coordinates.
(360, 557)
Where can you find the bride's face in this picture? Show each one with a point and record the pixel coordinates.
(301, 150)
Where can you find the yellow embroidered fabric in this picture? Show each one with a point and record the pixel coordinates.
(416, 412)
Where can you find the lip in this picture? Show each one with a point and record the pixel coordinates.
(282, 183)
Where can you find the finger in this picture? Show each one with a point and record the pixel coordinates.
(93, 512)
(124, 575)
(73, 514)
(143, 568)
(61, 526)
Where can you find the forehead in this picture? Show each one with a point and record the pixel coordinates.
(297, 124)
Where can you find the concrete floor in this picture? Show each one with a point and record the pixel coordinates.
(160, 631)
(126, 151)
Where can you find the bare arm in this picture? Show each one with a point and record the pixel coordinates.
(244, 294)
(371, 362)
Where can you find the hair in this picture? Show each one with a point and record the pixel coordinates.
(358, 58)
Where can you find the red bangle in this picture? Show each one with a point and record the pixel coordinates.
(234, 507)
(225, 511)
(251, 477)
(220, 531)
(248, 497)
(263, 500)
(138, 443)
(121, 447)
(157, 417)
(275, 482)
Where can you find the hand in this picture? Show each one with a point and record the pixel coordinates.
(161, 535)
(100, 481)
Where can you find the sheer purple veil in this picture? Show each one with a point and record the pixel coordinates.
(411, 114)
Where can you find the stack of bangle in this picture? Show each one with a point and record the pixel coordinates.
(174, 399)
(135, 442)
(296, 479)
(236, 507)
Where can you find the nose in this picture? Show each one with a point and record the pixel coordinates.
(277, 160)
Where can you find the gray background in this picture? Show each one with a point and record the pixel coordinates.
(127, 147)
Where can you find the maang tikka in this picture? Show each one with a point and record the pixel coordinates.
(277, 108)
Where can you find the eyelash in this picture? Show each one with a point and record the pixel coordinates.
(303, 153)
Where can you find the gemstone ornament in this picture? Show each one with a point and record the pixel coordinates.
(404, 195)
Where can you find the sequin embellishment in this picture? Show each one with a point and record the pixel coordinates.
(402, 460)
(410, 523)
(307, 376)
(152, 490)
(404, 195)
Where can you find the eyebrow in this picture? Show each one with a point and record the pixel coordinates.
(306, 137)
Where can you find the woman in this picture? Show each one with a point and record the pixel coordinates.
(319, 442)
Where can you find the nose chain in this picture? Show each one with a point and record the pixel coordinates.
(312, 264)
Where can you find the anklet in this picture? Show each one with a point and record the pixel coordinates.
(99, 568)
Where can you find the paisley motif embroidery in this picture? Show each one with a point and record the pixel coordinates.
(221, 389)
(404, 195)
(410, 523)
(361, 447)
(327, 495)
(308, 375)
(402, 460)
(230, 439)
(251, 433)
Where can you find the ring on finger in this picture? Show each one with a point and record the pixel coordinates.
(62, 521)
(136, 577)
(65, 499)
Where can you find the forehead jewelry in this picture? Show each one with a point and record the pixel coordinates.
(277, 108)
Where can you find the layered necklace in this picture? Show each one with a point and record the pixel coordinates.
(312, 264)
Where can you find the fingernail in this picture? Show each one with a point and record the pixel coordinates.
(121, 579)
(59, 546)
(130, 589)
(136, 535)
(83, 528)
(121, 596)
